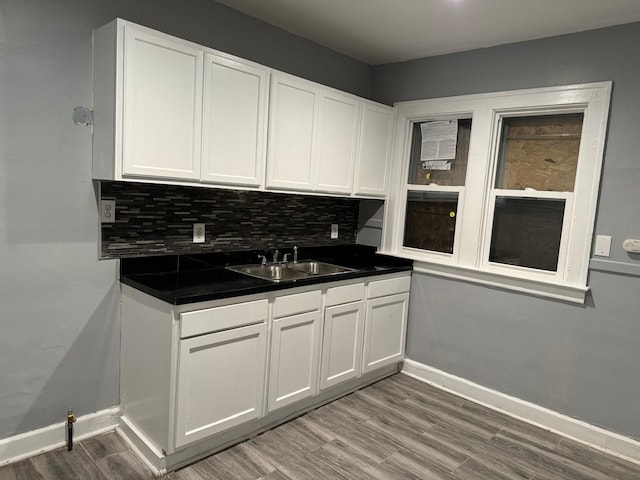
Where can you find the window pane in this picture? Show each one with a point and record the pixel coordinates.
(539, 152)
(430, 221)
(423, 172)
(526, 232)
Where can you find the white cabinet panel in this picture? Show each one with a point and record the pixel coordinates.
(294, 359)
(341, 344)
(161, 106)
(234, 124)
(292, 123)
(337, 144)
(385, 331)
(375, 150)
(220, 381)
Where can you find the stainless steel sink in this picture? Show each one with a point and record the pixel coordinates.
(277, 272)
(318, 268)
(274, 272)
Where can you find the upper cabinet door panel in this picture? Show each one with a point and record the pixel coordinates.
(375, 150)
(339, 126)
(292, 120)
(161, 106)
(234, 123)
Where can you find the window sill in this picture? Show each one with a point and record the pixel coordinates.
(558, 291)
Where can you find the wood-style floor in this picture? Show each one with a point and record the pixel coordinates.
(398, 428)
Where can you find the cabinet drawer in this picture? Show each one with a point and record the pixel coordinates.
(345, 294)
(389, 286)
(296, 303)
(223, 318)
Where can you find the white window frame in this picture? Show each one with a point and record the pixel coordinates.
(476, 199)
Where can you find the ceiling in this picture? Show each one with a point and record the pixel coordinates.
(387, 31)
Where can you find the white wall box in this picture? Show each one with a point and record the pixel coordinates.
(171, 111)
(197, 378)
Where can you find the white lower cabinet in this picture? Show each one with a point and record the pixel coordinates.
(295, 341)
(220, 381)
(294, 359)
(342, 336)
(342, 343)
(385, 323)
(196, 378)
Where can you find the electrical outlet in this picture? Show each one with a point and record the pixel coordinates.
(107, 211)
(198, 233)
(334, 230)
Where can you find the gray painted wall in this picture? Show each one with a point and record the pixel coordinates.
(59, 345)
(583, 361)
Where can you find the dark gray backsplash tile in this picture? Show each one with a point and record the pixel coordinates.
(158, 219)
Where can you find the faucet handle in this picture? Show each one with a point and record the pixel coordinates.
(263, 259)
(275, 255)
(285, 259)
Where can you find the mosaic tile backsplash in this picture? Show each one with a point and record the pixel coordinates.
(158, 219)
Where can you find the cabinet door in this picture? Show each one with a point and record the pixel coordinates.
(341, 343)
(234, 123)
(337, 144)
(375, 150)
(162, 106)
(294, 359)
(385, 331)
(220, 381)
(292, 121)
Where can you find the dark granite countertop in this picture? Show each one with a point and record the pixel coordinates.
(182, 279)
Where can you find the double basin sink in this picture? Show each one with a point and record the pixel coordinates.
(278, 272)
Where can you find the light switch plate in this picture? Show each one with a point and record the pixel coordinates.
(334, 230)
(603, 246)
(198, 233)
(107, 211)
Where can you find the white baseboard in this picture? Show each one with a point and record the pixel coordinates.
(153, 458)
(583, 432)
(25, 445)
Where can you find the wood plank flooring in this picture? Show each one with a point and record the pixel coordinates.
(398, 428)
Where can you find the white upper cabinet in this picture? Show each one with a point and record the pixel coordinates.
(313, 136)
(293, 115)
(337, 143)
(162, 98)
(234, 126)
(168, 110)
(372, 175)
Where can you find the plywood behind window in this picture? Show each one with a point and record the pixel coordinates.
(540, 152)
(455, 176)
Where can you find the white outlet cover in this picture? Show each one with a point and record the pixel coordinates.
(603, 246)
(198, 233)
(334, 230)
(107, 211)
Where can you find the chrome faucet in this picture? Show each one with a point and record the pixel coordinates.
(263, 260)
(285, 259)
(275, 255)
(295, 254)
